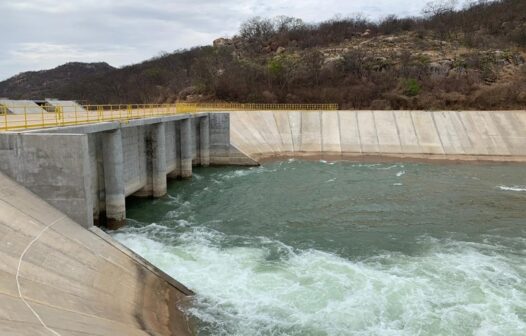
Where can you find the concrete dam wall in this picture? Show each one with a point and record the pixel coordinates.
(466, 135)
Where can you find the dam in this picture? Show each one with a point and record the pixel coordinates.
(64, 178)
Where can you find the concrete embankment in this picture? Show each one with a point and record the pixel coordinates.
(450, 135)
(58, 278)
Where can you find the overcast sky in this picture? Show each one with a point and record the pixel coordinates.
(42, 34)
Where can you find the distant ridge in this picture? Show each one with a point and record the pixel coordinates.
(41, 84)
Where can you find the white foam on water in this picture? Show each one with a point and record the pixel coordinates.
(245, 172)
(513, 188)
(382, 167)
(400, 173)
(451, 288)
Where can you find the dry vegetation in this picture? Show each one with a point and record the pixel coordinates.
(467, 59)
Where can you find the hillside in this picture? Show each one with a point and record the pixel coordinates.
(467, 59)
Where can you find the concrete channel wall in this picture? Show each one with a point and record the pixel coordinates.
(88, 171)
(58, 278)
(449, 135)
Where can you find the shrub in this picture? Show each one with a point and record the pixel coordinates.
(276, 67)
(412, 87)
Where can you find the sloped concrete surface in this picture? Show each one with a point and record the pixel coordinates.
(57, 278)
(447, 135)
(21, 107)
(68, 106)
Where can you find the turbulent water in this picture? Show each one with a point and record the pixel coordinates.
(317, 248)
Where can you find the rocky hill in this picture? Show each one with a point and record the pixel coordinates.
(448, 59)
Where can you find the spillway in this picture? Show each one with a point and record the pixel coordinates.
(447, 135)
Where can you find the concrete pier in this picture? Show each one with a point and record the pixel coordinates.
(158, 159)
(186, 148)
(204, 139)
(154, 160)
(175, 171)
(114, 179)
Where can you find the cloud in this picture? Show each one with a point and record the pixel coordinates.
(38, 34)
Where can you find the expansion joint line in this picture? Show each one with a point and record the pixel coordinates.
(18, 275)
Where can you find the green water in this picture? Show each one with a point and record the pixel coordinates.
(317, 248)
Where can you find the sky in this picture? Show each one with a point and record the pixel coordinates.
(42, 34)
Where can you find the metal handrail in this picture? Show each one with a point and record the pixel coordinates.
(29, 117)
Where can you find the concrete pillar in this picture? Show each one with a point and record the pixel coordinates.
(186, 148)
(177, 155)
(204, 139)
(113, 162)
(219, 138)
(158, 157)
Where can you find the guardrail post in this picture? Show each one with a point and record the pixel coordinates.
(61, 111)
(4, 109)
(42, 115)
(76, 116)
(99, 113)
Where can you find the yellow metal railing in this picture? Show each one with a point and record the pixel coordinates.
(206, 107)
(67, 115)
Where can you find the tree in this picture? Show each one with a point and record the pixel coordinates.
(285, 24)
(439, 7)
(257, 30)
